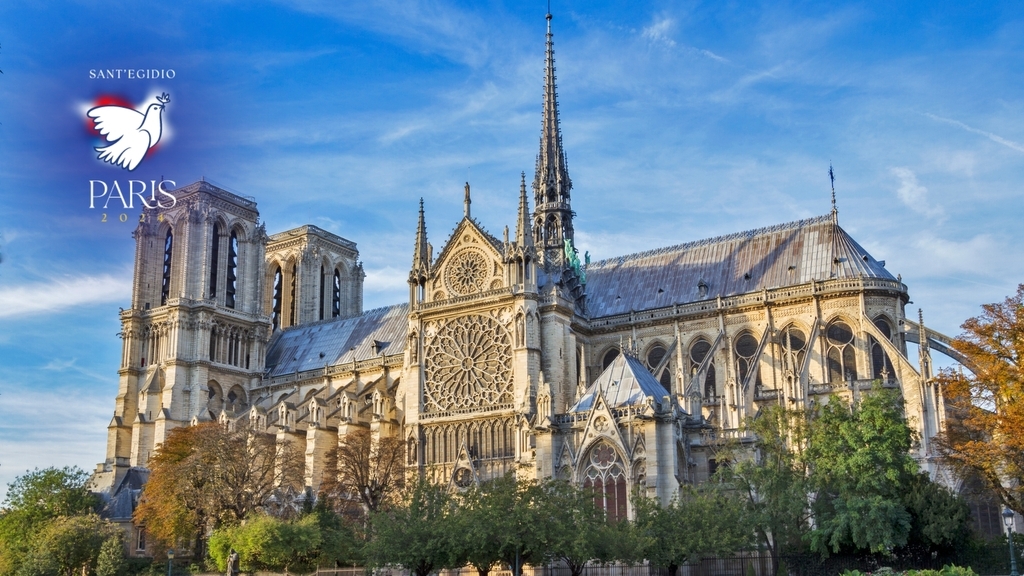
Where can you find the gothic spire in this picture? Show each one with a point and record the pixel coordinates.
(524, 236)
(552, 219)
(421, 254)
(551, 182)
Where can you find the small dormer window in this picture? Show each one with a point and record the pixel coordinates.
(702, 289)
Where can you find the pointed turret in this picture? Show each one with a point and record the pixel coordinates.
(524, 234)
(421, 252)
(551, 183)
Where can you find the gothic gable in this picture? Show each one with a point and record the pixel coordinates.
(470, 263)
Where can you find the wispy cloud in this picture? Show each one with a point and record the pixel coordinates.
(62, 293)
(658, 32)
(993, 137)
(433, 27)
(914, 195)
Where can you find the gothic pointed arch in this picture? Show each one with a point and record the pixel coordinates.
(840, 351)
(603, 470)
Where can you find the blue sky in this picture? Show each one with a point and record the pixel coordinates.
(681, 120)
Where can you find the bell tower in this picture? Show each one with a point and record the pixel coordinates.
(194, 339)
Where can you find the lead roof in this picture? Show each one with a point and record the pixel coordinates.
(787, 254)
(338, 341)
(777, 256)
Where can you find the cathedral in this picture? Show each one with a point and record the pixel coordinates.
(513, 353)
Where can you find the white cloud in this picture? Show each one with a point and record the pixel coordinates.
(980, 256)
(658, 32)
(31, 440)
(993, 137)
(61, 293)
(914, 195)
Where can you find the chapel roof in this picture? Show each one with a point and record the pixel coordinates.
(339, 340)
(777, 256)
(625, 382)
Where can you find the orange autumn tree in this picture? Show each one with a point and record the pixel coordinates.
(984, 432)
(207, 475)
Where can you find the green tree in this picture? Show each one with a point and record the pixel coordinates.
(478, 526)
(773, 485)
(859, 457)
(33, 500)
(67, 546)
(576, 528)
(940, 520)
(111, 560)
(416, 534)
(525, 533)
(342, 539)
(268, 543)
(696, 523)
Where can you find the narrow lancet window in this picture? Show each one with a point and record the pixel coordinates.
(276, 304)
(232, 286)
(165, 285)
(336, 296)
(214, 260)
(291, 296)
(323, 286)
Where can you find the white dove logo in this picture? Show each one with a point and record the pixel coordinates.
(131, 133)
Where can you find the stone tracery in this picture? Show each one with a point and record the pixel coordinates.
(467, 273)
(470, 366)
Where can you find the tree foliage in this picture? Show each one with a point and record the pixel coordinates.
(208, 475)
(522, 518)
(773, 485)
(860, 461)
(266, 543)
(417, 533)
(986, 407)
(369, 470)
(111, 560)
(577, 531)
(67, 546)
(33, 500)
(696, 523)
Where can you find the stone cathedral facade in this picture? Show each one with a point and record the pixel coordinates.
(511, 354)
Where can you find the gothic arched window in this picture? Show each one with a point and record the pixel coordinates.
(881, 366)
(841, 356)
(698, 352)
(232, 286)
(323, 286)
(275, 305)
(793, 344)
(291, 295)
(746, 348)
(655, 355)
(214, 259)
(605, 475)
(165, 284)
(609, 357)
(336, 295)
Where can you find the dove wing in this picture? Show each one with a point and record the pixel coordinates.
(113, 122)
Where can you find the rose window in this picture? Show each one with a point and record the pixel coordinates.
(467, 272)
(602, 456)
(468, 366)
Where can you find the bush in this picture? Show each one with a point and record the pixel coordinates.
(111, 561)
(266, 543)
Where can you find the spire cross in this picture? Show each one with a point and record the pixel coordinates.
(832, 178)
